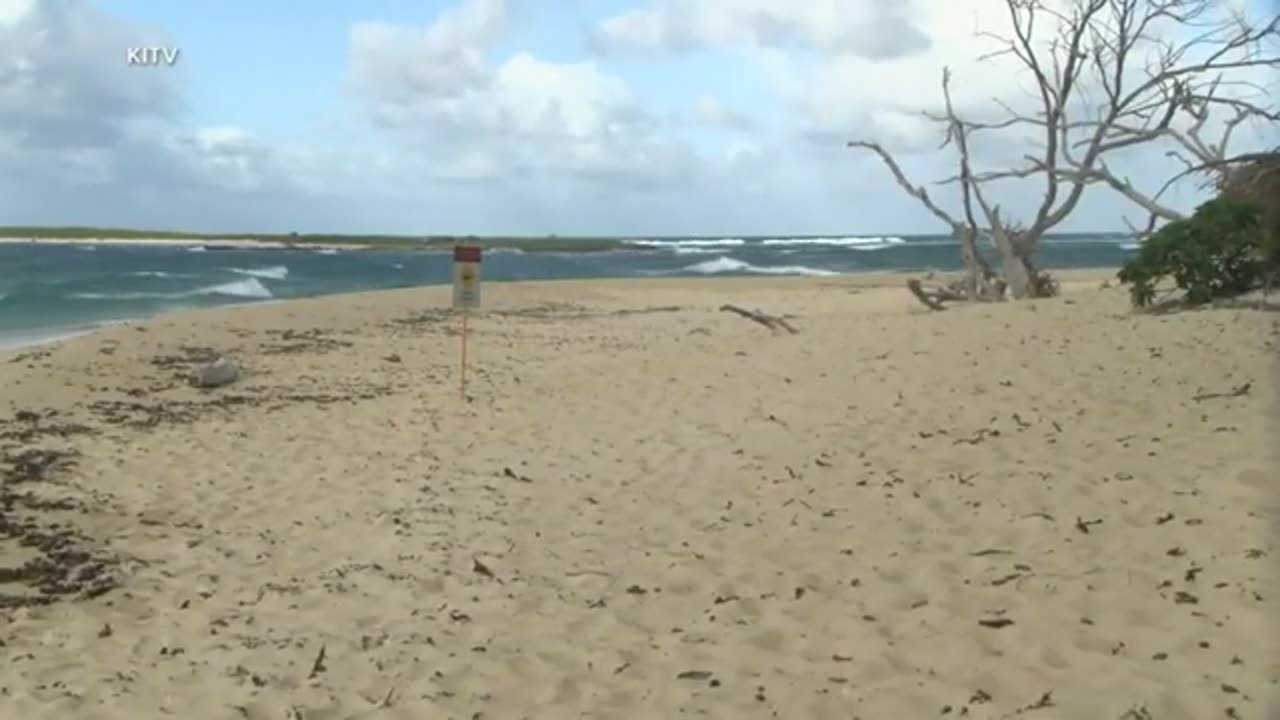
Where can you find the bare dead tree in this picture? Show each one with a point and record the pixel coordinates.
(981, 282)
(1148, 84)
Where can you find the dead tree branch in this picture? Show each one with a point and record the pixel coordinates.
(1153, 89)
(773, 322)
(981, 282)
(1107, 76)
(916, 191)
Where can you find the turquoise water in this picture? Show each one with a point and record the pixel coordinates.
(51, 291)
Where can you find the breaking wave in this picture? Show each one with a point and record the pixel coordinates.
(160, 274)
(853, 243)
(273, 272)
(722, 265)
(698, 246)
(250, 288)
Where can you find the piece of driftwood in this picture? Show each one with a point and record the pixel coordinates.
(1235, 392)
(934, 297)
(772, 322)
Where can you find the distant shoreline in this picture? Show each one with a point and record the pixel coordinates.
(336, 242)
(237, 243)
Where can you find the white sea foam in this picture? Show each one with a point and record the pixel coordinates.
(118, 296)
(273, 272)
(698, 246)
(247, 288)
(723, 265)
(854, 243)
(693, 243)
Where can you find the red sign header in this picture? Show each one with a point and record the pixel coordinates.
(466, 253)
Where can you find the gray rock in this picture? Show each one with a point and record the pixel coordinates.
(218, 373)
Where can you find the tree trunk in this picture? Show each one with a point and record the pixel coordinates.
(978, 273)
(1019, 273)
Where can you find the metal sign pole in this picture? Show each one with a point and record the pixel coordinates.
(466, 296)
(462, 387)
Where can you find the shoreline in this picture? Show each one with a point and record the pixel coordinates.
(17, 341)
(429, 244)
(1072, 280)
(25, 340)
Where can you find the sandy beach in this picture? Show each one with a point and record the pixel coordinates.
(646, 508)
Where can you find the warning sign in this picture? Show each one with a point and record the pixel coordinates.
(466, 277)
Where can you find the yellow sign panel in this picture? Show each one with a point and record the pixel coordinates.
(466, 285)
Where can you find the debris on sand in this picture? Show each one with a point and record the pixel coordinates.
(59, 564)
(219, 373)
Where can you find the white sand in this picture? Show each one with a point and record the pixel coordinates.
(661, 514)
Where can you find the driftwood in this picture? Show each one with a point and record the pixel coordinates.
(1235, 392)
(934, 296)
(772, 322)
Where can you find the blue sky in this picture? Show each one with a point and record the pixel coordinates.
(568, 116)
(270, 67)
(264, 65)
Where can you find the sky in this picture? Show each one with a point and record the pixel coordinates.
(527, 117)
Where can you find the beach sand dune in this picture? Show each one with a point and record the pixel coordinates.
(648, 508)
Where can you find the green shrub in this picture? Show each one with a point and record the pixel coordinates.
(1216, 253)
(1271, 255)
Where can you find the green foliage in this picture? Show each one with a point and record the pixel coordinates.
(1271, 252)
(1218, 252)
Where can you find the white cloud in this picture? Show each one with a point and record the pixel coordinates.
(856, 71)
(713, 113)
(466, 135)
(871, 29)
(523, 117)
(64, 82)
(11, 11)
(438, 64)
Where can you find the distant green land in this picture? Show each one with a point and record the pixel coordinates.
(553, 243)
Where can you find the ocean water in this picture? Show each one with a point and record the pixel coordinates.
(51, 291)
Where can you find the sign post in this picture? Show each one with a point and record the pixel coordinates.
(466, 295)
